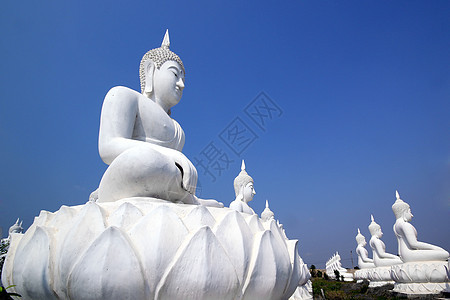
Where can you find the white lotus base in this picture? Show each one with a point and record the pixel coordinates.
(144, 248)
(421, 288)
(421, 277)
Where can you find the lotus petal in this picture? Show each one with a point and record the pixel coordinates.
(87, 226)
(126, 215)
(109, 269)
(63, 216)
(32, 270)
(8, 265)
(203, 267)
(156, 238)
(269, 270)
(277, 233)
(254, 223)
(199, 216)
(236, 238)
(296, 270)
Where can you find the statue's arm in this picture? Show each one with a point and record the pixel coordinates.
(365, 256)
(380, 249)
(117, 123)
(410, 235)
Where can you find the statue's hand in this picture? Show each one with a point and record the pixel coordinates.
(189, 172)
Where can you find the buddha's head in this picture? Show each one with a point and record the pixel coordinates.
(243, 185)
(360, 239)
(375, 229)
(401, 209)
(162, 75)
(16, 228)
(267, 214)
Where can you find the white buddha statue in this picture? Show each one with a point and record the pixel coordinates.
(139, 140)
(16, 228)
(380, 257)
(364, 262)
(409, 248)
(244, 190)
(267, 214)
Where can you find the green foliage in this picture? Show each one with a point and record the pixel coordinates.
(4, 295)
(319, 274)
(326, 285)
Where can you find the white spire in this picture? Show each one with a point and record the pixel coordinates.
(371, 217)
(397, 195)
(166, 40)
(243, 166)
(359, 231)
(267, 203)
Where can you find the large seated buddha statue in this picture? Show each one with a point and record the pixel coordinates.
(139, 140)
(409, 248)
(425, 267)
(146, 214)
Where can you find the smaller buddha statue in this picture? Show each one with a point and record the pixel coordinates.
(16, 228)
(244, 190)
(267, 214)
(409, 248)
(380, 257)
(364, 262)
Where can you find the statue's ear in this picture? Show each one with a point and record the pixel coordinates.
(149, 68)
(241, 192)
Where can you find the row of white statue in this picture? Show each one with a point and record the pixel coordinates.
(334, 264)
(420, 268)
(144, 234)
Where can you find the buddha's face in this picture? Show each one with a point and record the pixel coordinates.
(248, 192)
(407, 215)
(363, 242)
(168, 83)
(379, 233)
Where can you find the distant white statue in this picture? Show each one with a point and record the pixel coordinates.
(334, 264)
(364, 261)
(409, 248)
(244, 189)
(16, 228)
(380, 257)
(267, 214)
(139, 140)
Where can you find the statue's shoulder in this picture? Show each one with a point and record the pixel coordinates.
(122, 93)
(236, 205)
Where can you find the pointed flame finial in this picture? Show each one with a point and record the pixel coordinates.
(359, 232)
(17, 222)
(243, 166)
(397, 195)
(371, 217)
(267, 203)
(166, 40)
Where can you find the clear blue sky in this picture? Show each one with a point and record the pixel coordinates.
(363, 88)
